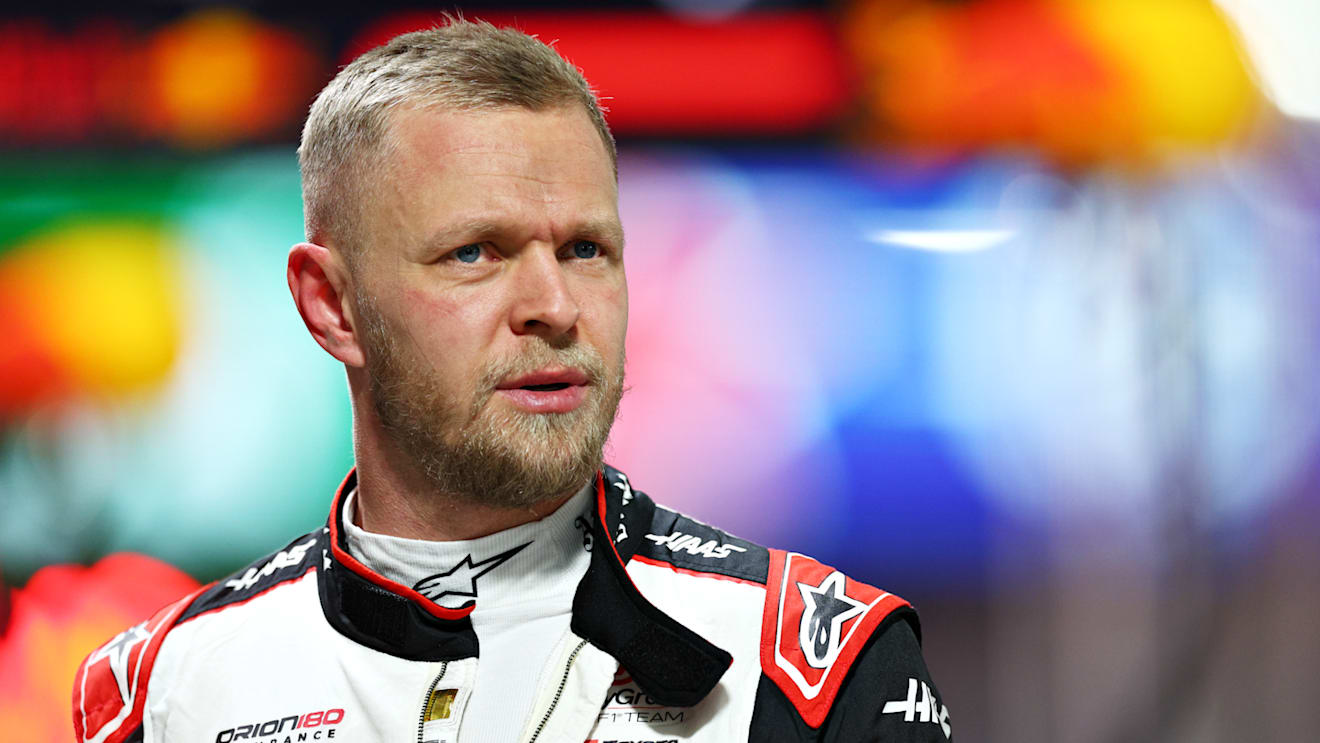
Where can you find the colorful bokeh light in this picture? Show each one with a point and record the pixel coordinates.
(93, 312)
(1085, 82)
(62, 614)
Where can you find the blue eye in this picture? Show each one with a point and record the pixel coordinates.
(468, 253)
(585, 249)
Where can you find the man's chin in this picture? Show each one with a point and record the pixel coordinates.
(506, 417)
(520, 482)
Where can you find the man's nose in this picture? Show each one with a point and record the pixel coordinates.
(543, 301)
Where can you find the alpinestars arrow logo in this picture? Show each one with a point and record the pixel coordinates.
(461, 580)
(118, 651)
(827, 608)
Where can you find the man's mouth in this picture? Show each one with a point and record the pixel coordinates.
(546, 380)
(552, 390)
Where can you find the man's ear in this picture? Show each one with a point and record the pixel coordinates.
(318, 282)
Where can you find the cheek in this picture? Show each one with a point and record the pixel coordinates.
(445, 329)
(608, 314)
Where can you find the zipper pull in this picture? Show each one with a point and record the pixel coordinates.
(442, 710)
(441, 716)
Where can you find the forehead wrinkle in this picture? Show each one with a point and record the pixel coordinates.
(566, 150)
(546, 179)
(533, 178)
(492, 188)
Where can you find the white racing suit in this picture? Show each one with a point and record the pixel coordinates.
(680, 632)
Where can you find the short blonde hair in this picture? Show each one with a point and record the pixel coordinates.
(462, 65)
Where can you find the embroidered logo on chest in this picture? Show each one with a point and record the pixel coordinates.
(461, 580)
(627, 703)
(308, 726)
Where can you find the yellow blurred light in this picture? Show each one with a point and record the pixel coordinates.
(1185, 70)
(1082, 81)
(104, 298)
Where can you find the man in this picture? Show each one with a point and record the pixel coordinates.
(482, 576)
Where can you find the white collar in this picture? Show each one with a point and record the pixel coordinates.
(529, 565)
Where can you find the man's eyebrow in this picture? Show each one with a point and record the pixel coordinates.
(472, 230)
(478, 230)
(608, 229)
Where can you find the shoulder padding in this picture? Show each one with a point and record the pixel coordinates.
(691, 546)
(110, 687)
(816, 622)
(289, 563)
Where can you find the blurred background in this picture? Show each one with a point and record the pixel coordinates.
(1011, 307)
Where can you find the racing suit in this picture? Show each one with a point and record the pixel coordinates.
(679, 632)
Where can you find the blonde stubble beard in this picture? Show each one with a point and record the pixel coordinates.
(483, 452)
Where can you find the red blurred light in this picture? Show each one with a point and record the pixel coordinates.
(771, 73)
(50, 87)
(62, 614)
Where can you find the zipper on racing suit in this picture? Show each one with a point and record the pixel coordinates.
(434, 706)
(559, 692)
(442, 708)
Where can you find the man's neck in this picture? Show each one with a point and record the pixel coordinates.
(395, 501)
(383, 507)
(396, 498)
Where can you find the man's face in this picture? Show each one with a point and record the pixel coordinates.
(491, 300)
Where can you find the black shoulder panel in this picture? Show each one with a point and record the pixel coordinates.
(293, 561)
(776, 720)
(691, 545)
(888, 696)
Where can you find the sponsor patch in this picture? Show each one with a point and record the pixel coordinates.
(626, 702)
(816, 622)
(694, 545)
(308, 726)
(925, 708)
(686, 544)
(285, 558)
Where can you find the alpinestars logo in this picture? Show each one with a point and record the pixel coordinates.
(461, 580)
(118, 652)
(827, 608)
(822, 622)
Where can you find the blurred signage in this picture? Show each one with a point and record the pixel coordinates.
(767, 72)
(213, 78)
(1082, 82)
(224, 77)
(1079, 81)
